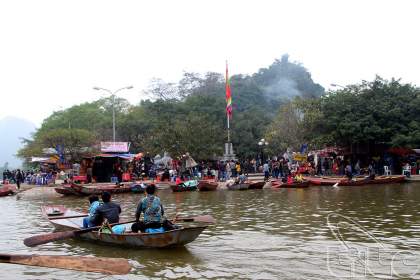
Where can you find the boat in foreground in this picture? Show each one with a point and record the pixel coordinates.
(178, 237)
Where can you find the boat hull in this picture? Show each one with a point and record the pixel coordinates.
(99, 189)
(256, 185)
(238, 187)
(279, 184)
(205, 185)
(322, 181)
(181, 188)
(7, 190)
(172, 238)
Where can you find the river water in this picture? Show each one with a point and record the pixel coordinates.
(259, 234)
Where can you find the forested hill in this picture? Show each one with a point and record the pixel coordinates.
(187, 116)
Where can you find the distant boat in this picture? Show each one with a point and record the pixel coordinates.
(6, 190)
(207, 185)
(279, 184)
(185, 186)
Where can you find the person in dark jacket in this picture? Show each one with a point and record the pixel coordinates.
(108, 210)
(18, 178)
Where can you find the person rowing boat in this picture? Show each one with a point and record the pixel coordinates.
(153, 211)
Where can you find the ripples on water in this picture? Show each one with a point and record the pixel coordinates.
(259, 234)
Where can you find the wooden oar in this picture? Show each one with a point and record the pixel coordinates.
(56, 236)
(90, 264)
(67, 217)
(203, 219)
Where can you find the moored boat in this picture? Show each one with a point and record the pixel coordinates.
(279, 184)
(388, 179)
(256, 185)
(176, 237)
(6, 190)
(187, 186)
(238, 187)
(207, 185)
(356, 181)
(98, 189)
(66, 190)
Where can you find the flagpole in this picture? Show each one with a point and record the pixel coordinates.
(228, 128)
(227, 113)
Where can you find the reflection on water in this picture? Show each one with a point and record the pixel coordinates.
(259, 234)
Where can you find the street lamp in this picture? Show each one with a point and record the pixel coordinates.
(262, 143)
(113, 105)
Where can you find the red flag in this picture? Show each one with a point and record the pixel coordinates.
(228, 95)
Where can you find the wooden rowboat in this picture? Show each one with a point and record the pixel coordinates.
(238, 187)
(256, 185)
(187, 186)
(98, 189)
(388, 179)
(176, 237)
(357, 181)
(279, 184)
(7, 190)
(207, 185)
(66, 189)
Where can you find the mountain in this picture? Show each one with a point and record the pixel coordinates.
(12, 129)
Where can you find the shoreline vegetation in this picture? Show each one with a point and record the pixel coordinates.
(280, 103)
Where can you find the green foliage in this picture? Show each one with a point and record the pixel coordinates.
(188, 116)
(74, 141)
(286, 130)
(379, 112)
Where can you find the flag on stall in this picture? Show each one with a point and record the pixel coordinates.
(228, 95)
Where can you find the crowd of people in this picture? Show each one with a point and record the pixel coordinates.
(32, 177)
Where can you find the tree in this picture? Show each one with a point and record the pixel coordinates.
(286, 130)
(378, 112)
(75, 143)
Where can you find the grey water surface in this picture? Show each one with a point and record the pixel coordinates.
(259, 234)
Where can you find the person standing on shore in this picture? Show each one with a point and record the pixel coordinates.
(266, 170)
(18, 178)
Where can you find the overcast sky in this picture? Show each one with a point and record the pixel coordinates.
(53, 52)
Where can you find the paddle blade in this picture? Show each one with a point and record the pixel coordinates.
(47, 238)
(335, 185)
(89, 264)
(203, 219)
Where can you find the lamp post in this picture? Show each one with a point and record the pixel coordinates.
(113, 105)
(262, 143)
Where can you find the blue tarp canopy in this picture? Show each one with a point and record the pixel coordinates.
(112, 155)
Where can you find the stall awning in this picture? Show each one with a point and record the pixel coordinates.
(51, 160)
(402, 151)
(111, 155)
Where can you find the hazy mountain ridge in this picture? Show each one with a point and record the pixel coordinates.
(12, 129)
